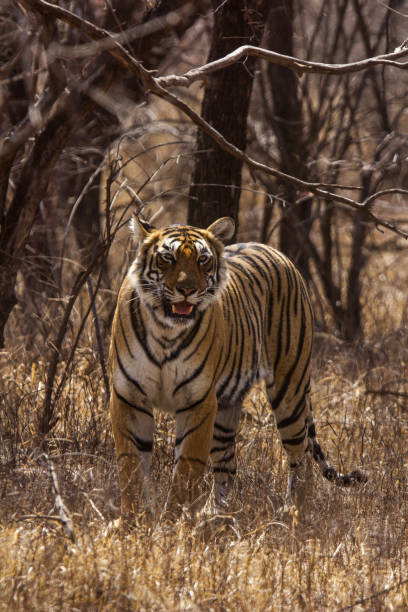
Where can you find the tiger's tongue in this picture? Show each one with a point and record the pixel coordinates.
(182, 308)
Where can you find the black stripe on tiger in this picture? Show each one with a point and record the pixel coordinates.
(126, 374)
(185, 342)
(189, 460)
(294, 416)
(139, 329)
(290, 373)
(196, 403)
(124, 336)
(188, 432)
(131, 404)
(198, 369)
(225, 430)
(217, 469)
(144, 446)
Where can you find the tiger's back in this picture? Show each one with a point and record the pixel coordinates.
(195, 327)
(268, 322)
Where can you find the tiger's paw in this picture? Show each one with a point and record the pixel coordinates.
(223, 491)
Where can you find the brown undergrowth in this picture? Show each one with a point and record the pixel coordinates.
(344, 550)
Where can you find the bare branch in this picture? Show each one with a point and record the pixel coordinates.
(387, 392)
(43, 517)
(22, 132)
(157, 86)
(48, 418)
(298, 65)
(96, 33)
(383, 192)
(136, 32)
(319, 189)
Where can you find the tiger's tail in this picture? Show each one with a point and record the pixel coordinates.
(350, 479)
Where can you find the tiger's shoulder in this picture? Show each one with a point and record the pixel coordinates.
(255, 255)
(254, 249)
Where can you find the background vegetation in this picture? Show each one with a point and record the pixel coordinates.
(84, 145)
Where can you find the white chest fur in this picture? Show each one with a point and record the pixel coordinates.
(169, 371)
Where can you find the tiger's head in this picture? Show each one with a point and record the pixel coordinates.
(179, 270)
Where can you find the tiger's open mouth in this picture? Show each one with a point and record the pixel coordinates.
(179, 311)
(182, 309)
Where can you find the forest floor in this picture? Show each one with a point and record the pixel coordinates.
(345, 550)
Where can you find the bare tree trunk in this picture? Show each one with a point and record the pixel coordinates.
(286, 119)
(352, 327)
(216, 181)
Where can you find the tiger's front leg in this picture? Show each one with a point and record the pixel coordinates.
(223, 456)
(194, 432)
(133, 434)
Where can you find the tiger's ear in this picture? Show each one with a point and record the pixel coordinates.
(140, 228)
(223, 228)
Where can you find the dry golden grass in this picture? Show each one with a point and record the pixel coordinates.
(344, 550)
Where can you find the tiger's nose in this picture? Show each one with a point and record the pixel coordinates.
(185, 290)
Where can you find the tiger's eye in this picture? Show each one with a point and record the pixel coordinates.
(204, 259)
(164, 259)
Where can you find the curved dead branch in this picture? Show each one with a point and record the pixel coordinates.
(293, 63)
(158, 87)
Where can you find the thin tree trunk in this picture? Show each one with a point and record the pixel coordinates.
(216, 181)
(352, 325)
(286, 118)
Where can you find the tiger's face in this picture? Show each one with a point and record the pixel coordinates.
(179, 271)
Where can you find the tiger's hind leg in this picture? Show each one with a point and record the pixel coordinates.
(293, 417)
(222, 454)
(300, 479)
(295, 424)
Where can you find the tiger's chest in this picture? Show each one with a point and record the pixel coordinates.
(177, 387)
(173, 375)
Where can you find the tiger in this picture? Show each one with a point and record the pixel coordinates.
(197, 325)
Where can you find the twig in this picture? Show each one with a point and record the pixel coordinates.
(61, 508)
(317, 188)
(75, 342)
(44, 517)
(98, 337)
(94, 508)
(299, 66)
(385, 392)
(141, 30)
(379, 194)
(363, 600)
(111, 43)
